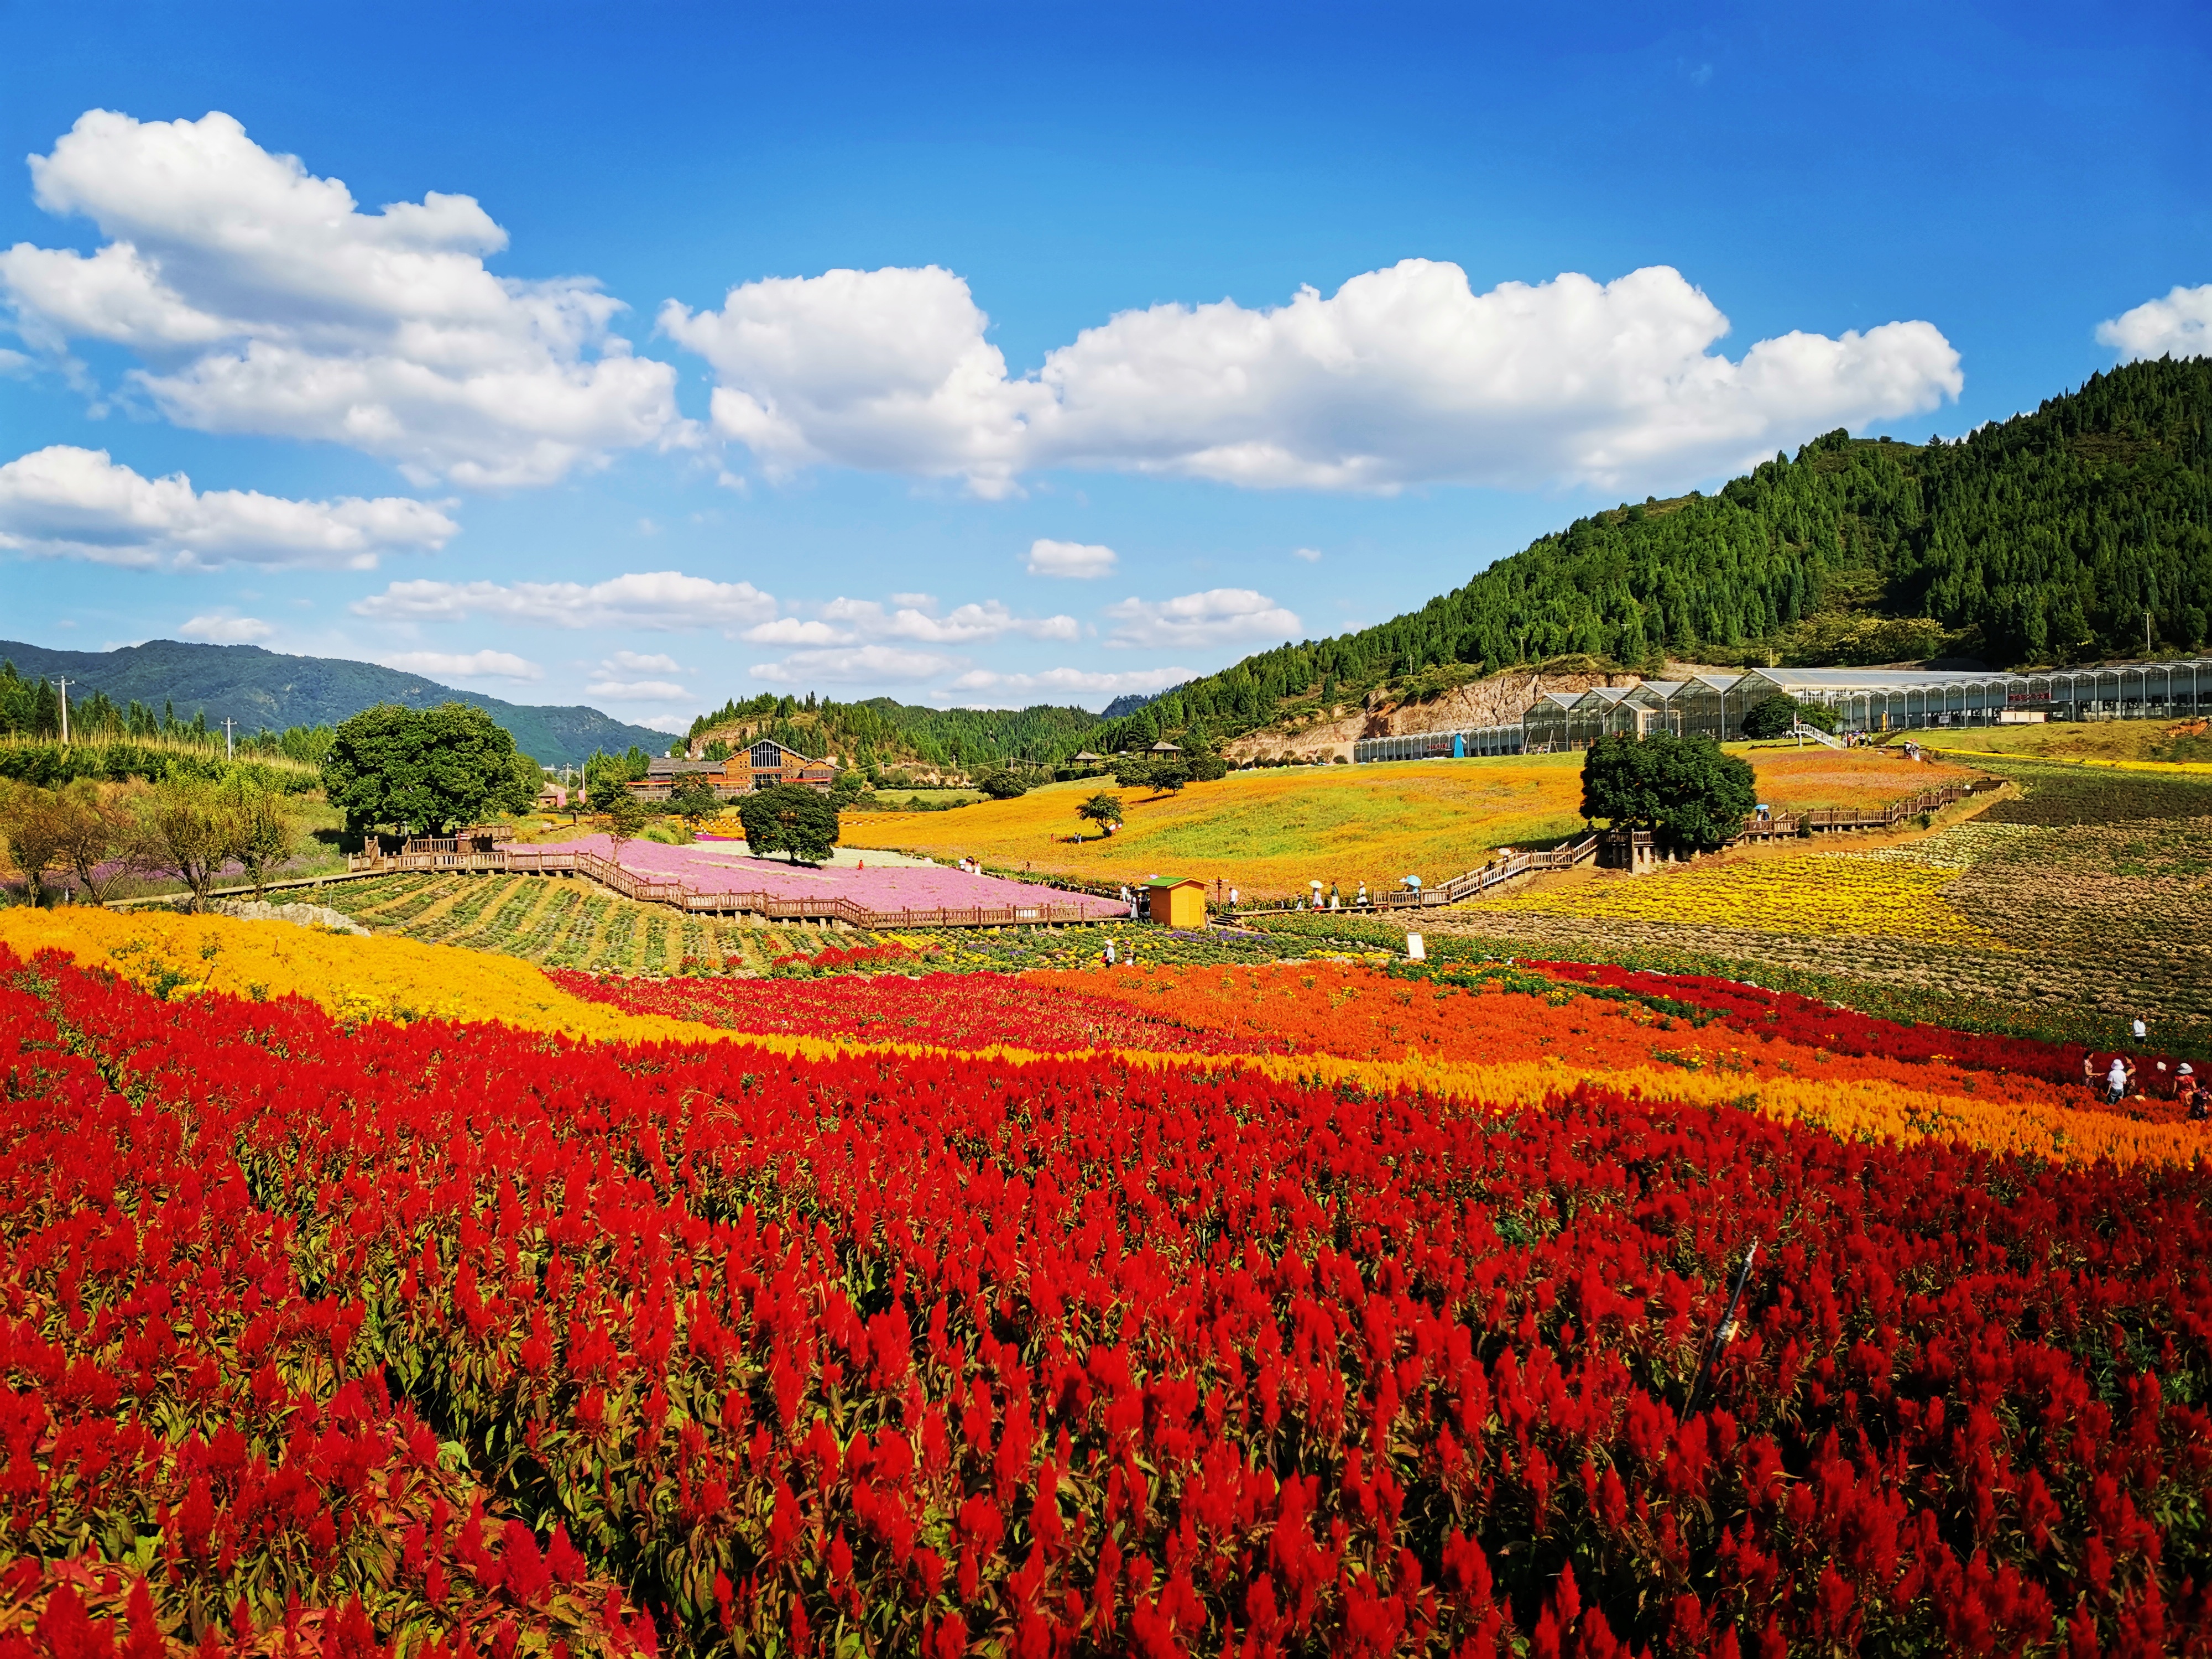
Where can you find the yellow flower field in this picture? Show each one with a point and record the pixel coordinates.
(353, 978)
(1270, 832)
(1816, 894)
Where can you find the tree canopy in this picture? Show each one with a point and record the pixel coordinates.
(1102, 809)
(1773, 716)
(693, 800)
(1685, 790)
(424, 771)
(879, 733)
(789, 818)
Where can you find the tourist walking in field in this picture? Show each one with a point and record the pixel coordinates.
(1334, 904)
(2089, 1072)
(1232, 898)
(1362, 900)
(2116, 1081)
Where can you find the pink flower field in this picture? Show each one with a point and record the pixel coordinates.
(713, 868)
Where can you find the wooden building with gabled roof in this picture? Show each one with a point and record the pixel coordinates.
(760, 764)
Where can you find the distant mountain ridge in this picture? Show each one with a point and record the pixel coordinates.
(259, 688)
(1127, 703)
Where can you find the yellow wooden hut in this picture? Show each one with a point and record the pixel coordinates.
(1176, 904)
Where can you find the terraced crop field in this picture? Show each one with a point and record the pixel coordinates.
(563, 924)
(2083, 901)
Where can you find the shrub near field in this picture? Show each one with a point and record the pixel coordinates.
(1269, 832)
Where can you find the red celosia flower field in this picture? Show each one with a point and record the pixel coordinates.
(971, 1010)
(331, 1340)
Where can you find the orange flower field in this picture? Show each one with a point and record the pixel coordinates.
(1339, 1023)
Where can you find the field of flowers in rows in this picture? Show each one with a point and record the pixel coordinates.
(2076, 904)
(570, 924)
(1482, 1035)
(1847, 893)
(408, 1335)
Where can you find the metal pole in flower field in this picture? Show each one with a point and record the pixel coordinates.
(1725, 1334)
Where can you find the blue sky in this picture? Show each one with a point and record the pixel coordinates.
(1002, 354)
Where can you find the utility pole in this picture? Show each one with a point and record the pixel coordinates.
(226, 738)
(63, 685)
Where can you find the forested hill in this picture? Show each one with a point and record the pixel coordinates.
(2045, 538)
(881, 732)
(261, 688)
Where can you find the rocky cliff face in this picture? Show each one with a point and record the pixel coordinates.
(1497, 701)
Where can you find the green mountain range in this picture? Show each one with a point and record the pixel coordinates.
(879, 733)
(265, 690)
(2079, 532)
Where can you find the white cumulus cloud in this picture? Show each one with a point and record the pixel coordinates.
(1216, 616)
(2179, 326)
(643, 662)
(884, 369)
(222, 628)
(465, 665)
(66, 502)
(1072, 682)
(856, 663)
(1403, 376)
(1078, 560)
(262, 300)
(791, 630)
(964, 625)
(636, 690)
(1310, 555)
(610, 681)
(661, 600)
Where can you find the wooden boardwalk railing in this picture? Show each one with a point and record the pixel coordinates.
(445, 857)
(1468, 886)
(1478, 881)
(1837, 818)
